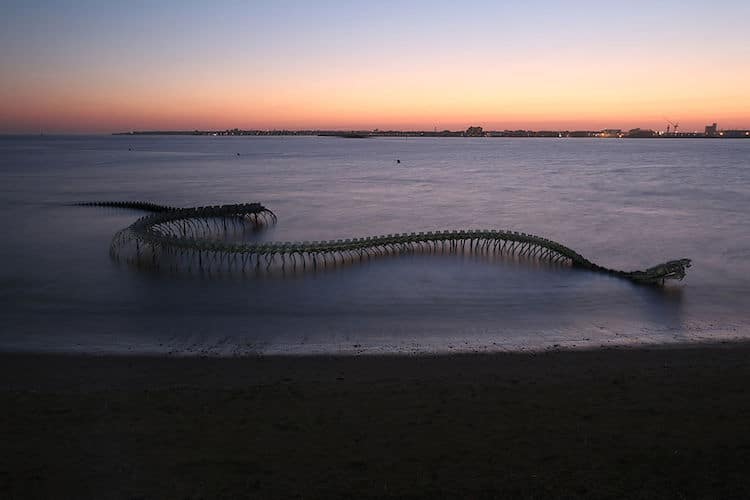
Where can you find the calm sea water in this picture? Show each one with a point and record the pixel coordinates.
(627, 204)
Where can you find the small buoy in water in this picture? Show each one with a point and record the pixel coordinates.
(130, 149)
(398, 161)
(238, 154)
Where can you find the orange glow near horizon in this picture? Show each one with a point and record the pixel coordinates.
(360, 107)
(538, 96)
(381, 78)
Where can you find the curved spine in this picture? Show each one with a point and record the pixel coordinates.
(134, 205)
(187, 232)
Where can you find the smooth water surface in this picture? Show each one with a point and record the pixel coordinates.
(627, 204)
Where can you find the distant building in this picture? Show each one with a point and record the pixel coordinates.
(711, 130)
(547, 133)
(581, 133)
(640, 132)
(518, 133)
(735, 134)
(610, 132)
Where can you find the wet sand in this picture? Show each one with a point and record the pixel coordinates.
(670, 422)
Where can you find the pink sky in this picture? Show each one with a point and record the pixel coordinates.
(359, 65)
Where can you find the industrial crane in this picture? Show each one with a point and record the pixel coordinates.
(674, 126)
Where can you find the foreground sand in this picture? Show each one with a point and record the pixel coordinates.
(648, 423)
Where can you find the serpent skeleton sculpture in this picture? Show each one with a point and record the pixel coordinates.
(187, 237)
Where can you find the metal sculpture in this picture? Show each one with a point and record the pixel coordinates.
(189, 237)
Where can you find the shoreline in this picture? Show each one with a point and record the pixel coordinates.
(416, 134)
(650, 422)
(725, 338)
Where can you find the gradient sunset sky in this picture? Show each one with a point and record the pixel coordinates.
(97, 66)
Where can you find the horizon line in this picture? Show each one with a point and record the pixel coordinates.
(376, 130)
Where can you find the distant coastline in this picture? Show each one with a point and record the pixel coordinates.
(710, 133)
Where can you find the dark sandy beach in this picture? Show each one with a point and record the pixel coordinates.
(670, 422)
